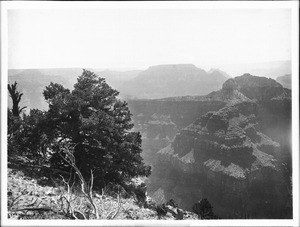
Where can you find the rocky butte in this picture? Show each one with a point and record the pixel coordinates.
(235, 152)
(162, 81)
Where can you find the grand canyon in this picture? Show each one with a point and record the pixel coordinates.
(204, 133)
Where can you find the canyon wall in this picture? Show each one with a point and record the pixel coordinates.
(160, 120)
(232, 146)
(224, 157)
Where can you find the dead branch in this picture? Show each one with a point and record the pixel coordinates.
(35, 209)
(118, 208)
(15, 200)
(86, 189)
(32, 204)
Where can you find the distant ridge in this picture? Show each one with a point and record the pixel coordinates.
(285, 81)
(163, 81)
(241, 89)
(214, 70)
(176, 82)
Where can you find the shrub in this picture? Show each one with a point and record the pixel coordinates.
(204, 210)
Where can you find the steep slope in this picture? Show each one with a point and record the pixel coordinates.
(159, 120)
(32, 198)
(230, 93)
(224, 157)
(240, 153)
(274, 109)
(215, 70)
(285, 81)
(259, 88)
(172, 80)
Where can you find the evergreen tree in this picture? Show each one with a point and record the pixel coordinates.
(98, 126)
(27, 138)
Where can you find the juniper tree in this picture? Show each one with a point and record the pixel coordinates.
(99, 127)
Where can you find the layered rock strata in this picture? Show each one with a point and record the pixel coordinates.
(224, 157)
(229, 157)
(159, 121)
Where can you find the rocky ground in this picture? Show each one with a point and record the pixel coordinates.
(29, 200)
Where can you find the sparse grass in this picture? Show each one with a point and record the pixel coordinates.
(29, 200)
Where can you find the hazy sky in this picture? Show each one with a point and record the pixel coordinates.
(142, 37)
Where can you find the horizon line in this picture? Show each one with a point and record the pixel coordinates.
(131, 68)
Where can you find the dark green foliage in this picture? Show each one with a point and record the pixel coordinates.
(16, 98)
(89, 121)
(27, 138)
(55, 90)
(35, 141)
(14, 121)
(13, 125)
(97, 124)
(204, 210)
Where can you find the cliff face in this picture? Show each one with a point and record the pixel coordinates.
(259, 88)
(273, 107)
(159, 120)
(238, 156)
(157, 132)
(224, 157)
(273, 111)
(182, 113)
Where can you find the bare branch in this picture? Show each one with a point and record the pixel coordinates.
(35, 209)
(118, 208)
(85, 188)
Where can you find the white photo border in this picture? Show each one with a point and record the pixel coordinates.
(293, 5)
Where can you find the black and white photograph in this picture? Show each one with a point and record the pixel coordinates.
(150, 113)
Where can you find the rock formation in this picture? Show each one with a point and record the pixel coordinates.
(232, 146)
(230, 155)
(223, 156)
(159, 121)
(163, 81)
(157, 133)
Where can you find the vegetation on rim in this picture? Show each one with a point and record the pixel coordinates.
(84, 147)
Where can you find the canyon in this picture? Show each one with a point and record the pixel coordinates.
(229, 143)
(231, 146)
